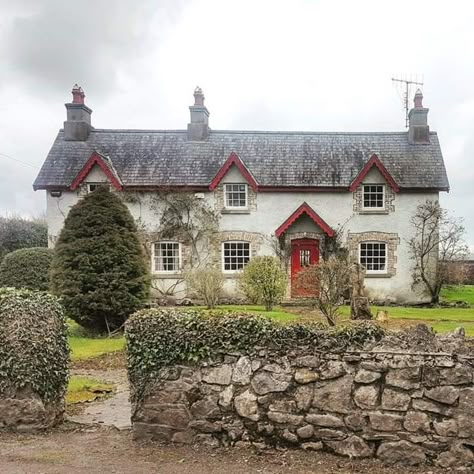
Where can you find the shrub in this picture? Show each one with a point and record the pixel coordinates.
(263, 280)
(27, 268)
(159, 338)
(98, 268)
(206, 283)
(34, 351)
(327, 283)
(18, 233)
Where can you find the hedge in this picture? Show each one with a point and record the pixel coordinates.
(27, 268)
(159, 338)
(34, 351)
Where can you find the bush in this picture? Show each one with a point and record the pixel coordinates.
(18, 233)
(263, 280)
(98, 269)
(206, 283)
(157, 338)
(327, 283)
(27, 268)
(34, 351)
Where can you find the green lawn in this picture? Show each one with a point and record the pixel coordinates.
(86, 346)
(459, 293)
(277, 313)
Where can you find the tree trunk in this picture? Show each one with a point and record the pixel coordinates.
(360, 308)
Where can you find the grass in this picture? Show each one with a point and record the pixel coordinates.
(277, 313)
(86, 346)
(459, 293)
(85, 389)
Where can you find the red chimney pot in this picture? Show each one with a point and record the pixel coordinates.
(77, 95)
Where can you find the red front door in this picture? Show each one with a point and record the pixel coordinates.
(304, 252)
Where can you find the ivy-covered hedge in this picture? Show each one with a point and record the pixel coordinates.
(157, 338)
(34, 351)
(27, 268)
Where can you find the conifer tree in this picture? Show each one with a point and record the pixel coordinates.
(98, 269)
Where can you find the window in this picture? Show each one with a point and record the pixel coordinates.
(235, 196)
(373, 256)
(91, 187)
(374, 196)
(166, 257)
(235, 255)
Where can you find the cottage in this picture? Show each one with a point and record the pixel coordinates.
(285, 193)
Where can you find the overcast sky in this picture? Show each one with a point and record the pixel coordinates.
(276, 65)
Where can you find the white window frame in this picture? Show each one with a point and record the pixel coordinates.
(223, 254)
(154, 256)
(246, 188)
(374, 272)
(369, 208)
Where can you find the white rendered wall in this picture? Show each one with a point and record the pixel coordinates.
(273, 208)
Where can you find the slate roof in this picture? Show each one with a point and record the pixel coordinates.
(166, 157)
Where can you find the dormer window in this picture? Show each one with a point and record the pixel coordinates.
(236, 196)
(91, 187)
(373, 197)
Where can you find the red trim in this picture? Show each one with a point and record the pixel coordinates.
(95, 159)
(233, 159)
(374, 161)
(304, 209)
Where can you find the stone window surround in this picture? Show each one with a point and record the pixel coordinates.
(358, 200)
(391, 240)
(219, 200)
(185, 259)
(254, 238)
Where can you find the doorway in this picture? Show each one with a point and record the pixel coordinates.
(304, 252)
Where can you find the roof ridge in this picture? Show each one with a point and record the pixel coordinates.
(248, 132)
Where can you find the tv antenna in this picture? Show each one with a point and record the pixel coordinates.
(405, 85)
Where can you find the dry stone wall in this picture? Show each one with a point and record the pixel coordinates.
(403, 407)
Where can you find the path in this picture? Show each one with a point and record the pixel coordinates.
(112, 411)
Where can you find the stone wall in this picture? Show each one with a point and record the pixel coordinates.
(23, 411)
(403, 407)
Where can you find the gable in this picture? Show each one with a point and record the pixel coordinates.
(233, 162)
(99, 166)
(304, 210)
(374, 163)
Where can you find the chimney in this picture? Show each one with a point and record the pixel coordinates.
(418, 129)
(198, 129)
(78, 124)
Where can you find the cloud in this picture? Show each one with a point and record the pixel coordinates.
(50, 44)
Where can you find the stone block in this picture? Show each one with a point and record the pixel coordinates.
(353, 447)
(416, 421)
(465, 426)
(285, 418)
(288, 436)
(305, 375)
(205, 408)
(327, 433)
(385, 421)
(220, 375)
(305, 432)
(242, 371)
(458, 375)
(264, 381)
(204, 426)
(408, 378)
(446, 428)
(226, 397)
(335, 395)
(307, 361)
(401, 452)
(332, 369)
(430, 406)
(246, 405)
(367, 396)
(304, 397)
(312, 446)
(395, 400)
(446, 394)
(284, 405)
(328, 421)
(367, 376)
(356, 421)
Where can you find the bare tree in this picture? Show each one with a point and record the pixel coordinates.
(326, 283)
(438, 239)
